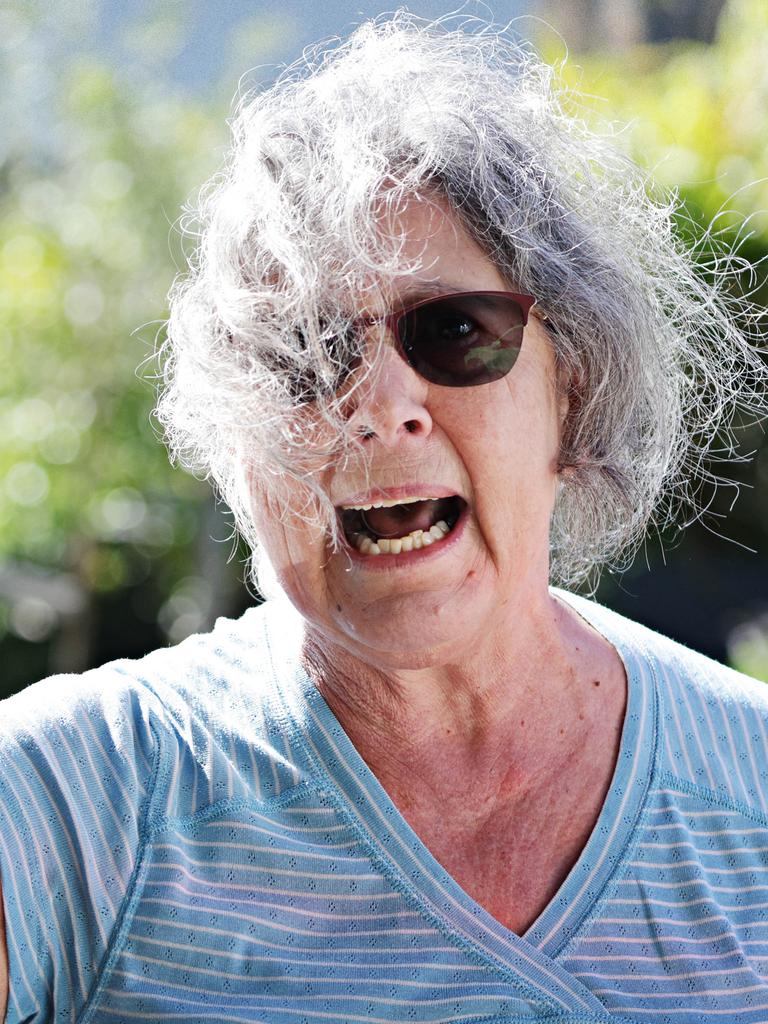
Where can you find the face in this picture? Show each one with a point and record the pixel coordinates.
(493, 445)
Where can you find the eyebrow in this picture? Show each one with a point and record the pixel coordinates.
(424, 290)
(417, 291)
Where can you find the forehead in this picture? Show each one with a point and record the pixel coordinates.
(438, 254)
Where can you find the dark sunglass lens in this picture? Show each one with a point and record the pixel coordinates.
(463, 340)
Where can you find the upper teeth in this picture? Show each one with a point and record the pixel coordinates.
(386, 504)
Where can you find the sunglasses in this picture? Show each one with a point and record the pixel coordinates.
(462, 339)
(458, 340)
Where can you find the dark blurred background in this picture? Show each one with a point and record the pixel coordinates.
(113, 113)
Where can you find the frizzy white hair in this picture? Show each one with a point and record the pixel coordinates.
(290, 233)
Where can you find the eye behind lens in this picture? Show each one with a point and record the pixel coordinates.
(464, 340)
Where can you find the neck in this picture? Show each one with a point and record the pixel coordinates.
(519, 704)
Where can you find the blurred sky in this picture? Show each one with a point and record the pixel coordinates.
(201, 42)
(200, 48)
(196, 43)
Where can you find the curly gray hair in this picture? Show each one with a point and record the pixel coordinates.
(655, 357)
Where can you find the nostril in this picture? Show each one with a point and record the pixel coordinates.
(411, 426)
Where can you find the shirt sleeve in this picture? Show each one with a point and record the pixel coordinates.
(77, 756)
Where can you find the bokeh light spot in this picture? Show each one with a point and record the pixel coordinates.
(111, 180)
(32, 419)
(26, 483)
(22, 255)
(61, 447)
(83, 303)
(119, 514)
(33, 619)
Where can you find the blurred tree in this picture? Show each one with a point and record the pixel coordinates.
(599, 25)
(94, 524)
(696, 114)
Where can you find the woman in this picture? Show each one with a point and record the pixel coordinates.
(438, 348)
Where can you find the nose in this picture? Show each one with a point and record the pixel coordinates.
(391, 404)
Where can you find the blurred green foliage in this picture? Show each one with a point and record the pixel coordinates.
(695, 116)
(748, 648)
(88, 249)
(89, 245)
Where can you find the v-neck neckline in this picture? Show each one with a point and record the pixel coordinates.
(579, 893)
(347, 780)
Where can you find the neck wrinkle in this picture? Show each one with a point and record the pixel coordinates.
(505, 733)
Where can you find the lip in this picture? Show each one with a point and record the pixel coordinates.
(395, 493)
(411, 558)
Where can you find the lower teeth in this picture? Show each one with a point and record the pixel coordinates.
(395, 545)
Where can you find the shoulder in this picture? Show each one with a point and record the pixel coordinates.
(683, 668)
(196, 707)
(91, 765)
(101, 712)
(203, 720)
(713, 720)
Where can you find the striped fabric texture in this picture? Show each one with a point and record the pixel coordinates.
(192, 837)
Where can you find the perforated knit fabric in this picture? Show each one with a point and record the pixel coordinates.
(192, 837)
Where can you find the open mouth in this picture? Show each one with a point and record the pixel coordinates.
(389, 528)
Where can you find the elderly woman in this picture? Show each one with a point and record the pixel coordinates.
(439, 349)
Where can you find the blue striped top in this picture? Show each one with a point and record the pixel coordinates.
(192, 837)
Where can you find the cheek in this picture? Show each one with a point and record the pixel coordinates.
(295, 549)
(531, 413)
(507, 436)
